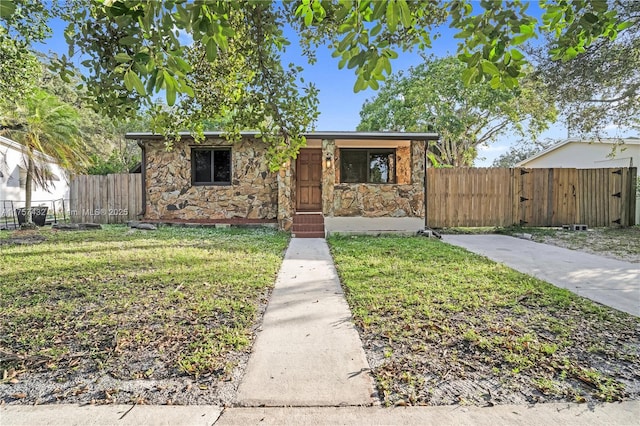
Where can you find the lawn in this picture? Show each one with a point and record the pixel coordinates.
(441, 326)
(131, 304)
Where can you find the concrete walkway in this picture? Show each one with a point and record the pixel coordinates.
(608, 281)
(308, 352)
(619, 414)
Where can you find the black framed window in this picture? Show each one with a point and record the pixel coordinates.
(211, 166)
(368, 165)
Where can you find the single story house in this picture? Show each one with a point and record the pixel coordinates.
(13, 173)
(340, 182)
(580, 154)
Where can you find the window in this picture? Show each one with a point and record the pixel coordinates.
(211, 166)
(367, 165)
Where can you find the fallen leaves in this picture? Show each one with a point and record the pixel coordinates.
(442, 335)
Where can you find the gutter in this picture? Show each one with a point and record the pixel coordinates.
(426, 195)
(143, 172)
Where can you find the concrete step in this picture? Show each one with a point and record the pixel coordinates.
(308, 218)
(309, 234)
(308, 227)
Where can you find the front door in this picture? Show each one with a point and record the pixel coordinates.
(309, 180)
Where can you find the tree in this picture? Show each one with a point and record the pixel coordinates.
(133, 48)
(432, 98)
(521, 151)
(247, 87)
(48, 126)
(602, 86)
(19, 68)
(117, 162)
(103, 136)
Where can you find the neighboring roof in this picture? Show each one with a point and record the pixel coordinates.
(10, 143)
(309, 135)
(612, 141)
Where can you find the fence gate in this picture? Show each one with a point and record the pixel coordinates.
(607, 197)
(530, 197)
(546, 197)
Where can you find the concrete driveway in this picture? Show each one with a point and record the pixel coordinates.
(607, 281)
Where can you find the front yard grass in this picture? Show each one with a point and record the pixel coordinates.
(444, 326)
(134, 304)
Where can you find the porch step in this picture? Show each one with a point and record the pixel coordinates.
(308, 234)
(308, 225)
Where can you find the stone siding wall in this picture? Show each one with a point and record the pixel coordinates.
(286, 196)
(404, 199)
(253, 193)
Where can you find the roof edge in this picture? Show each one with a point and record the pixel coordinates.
(577, 140)
(10, 143)
(142, 136)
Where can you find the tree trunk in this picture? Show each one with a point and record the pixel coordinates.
(28, 184)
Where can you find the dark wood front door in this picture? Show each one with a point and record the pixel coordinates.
(309, 180)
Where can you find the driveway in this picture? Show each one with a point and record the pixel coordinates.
(607, 281)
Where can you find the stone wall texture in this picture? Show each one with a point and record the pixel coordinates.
(258, 194)
(170, 195)
(286, 196)
(404, 199)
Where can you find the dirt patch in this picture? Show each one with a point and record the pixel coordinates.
(620, 244)
(141, 376)
(23, 238)
(445, 371)
(85, 384)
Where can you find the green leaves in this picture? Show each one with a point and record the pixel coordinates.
(7, 8)
(590, 18)
(397, 11)
(469, 75)
(310, 10)
(150, 39)
(132, 81)
(361, 46)
(456, 101)
(170, 86)
(489, 68)
(122, 57)
(516, 55)
(578, 26)
(393, 15)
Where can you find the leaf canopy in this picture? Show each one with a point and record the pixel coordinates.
(136, 49)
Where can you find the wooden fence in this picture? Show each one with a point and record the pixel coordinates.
(531, 197)
(457, 197)
(113, 198)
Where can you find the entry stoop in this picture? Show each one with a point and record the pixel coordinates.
(308, 225)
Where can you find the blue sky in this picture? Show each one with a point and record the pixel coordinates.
(339, 105)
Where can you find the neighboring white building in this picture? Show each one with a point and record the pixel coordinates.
(13, 173)
(579, 154)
